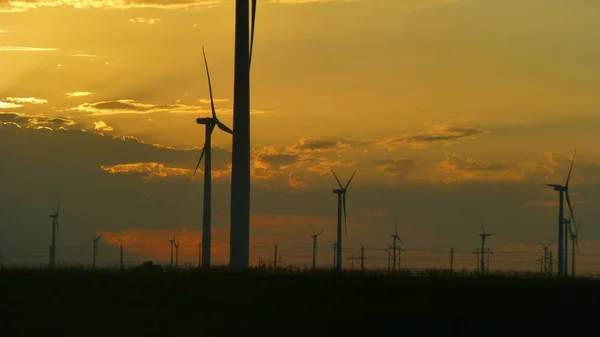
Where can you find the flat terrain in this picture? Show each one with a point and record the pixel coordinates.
(224, 304)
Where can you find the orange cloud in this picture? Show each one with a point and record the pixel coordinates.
(151, 169)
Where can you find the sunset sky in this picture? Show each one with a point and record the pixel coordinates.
(451, 111)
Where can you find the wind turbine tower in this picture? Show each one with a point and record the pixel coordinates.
(341, 196)
(55, 230)
(172, 243)
(483, 236)
(396, 238)
(563, 191)
(314, 237)
(209, 123)
(239, 241)
(95, 241)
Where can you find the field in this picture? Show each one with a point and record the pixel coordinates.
(73, 302)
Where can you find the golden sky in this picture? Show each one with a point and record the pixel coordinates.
(451, 111)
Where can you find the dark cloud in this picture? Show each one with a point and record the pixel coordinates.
(439, 134)
(276, 161)
(23, 120)
(400, 167)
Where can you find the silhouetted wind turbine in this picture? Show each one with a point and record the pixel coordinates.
(209, 123)
(341, 193)
(240, 157)
(172, 243)
(55, 230)
(562, 191)
(395, 237)
(314, 236)
(483, 236)
(95, 241)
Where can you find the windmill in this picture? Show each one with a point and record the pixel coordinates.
(172, 243)
(239, 243)
(396, 238)
(341, 193)
(209, 123)
(314, 237)
(55, 229)
(95, 241)
(563, 191)
(483, 236)
(176, 244)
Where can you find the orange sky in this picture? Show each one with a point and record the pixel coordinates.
(451, 111)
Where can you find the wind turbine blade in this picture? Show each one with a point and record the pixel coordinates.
(570, 169)
(313, 230)
(253, 23)
(224, 127)
(344, 202)
(336, 178)
(320, 232)
(200, 160)
(350, 180)
(571, 209)
(577, 244)
(212, 103)
(57, 228)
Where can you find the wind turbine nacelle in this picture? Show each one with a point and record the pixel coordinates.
(338, 191)
(204, 120)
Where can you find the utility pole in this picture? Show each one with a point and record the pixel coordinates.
(478, 264)
(452, 261)
(121, 258)
(362, 259)
(275, 258)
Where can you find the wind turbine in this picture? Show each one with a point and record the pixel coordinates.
(314, 237)
(239, 242)
(176, 254)
(55, 230)
(172, 242)
(395, 237)
(483, 236)
(341, 193)
(95, 241)
(562, 192)
(209, 123)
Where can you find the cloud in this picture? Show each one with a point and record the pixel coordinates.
(438, 134)
(78, 94)
(8, 105)
(316, 144)
(129, 106)
(294, 2)
(18, 48)
(149, 21)
(151, 170)
(36, 121)
(83, 55)
(102, 126)
(29, 100)
(400, 167)
(25, 5)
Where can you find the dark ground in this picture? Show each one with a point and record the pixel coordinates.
(222, 304)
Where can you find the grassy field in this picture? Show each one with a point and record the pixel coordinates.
(73, 302)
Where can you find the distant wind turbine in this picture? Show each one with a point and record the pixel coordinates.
(562, 244)
(396, 238)
(314, 237)
(95, 241)
(483, 236)
(341, 193)
(55, 230)
(172, 243)
(209, 123)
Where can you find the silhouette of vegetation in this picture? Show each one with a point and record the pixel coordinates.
(151, 300)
